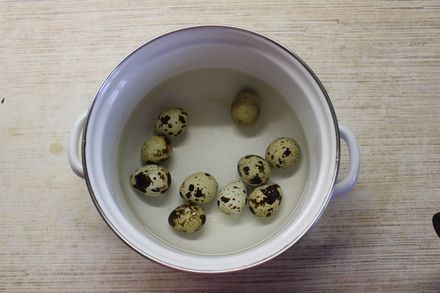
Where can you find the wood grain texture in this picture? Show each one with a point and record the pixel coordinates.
(379, 60)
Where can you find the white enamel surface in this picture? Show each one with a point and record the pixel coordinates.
(210, 47)
(350, 180)
(73, 152)
(213, 144)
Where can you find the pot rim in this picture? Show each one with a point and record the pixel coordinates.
(260, 261)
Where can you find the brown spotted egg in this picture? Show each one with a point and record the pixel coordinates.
(265, 200)
(199, 187)
(187, 218)
(253, 170)
(172, 122)
(151, 180)
(245, 108)
(156, 149)
(232, 197)
(283, 152)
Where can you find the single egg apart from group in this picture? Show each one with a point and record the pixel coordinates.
(245, 108)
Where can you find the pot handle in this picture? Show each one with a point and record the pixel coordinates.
(350, 180)
(74, 149)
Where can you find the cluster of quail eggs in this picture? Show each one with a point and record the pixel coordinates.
(153, 178)
(264, 199)
(255, 172)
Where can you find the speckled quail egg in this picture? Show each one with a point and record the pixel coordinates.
(253, 170)
(187, 218)
(156, 149)
(172, 122)
(232, 197)
(283, 152)
(265, 200)
(151, 180)
(199, 187)
(245, 108)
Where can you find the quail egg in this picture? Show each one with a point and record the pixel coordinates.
(172, 122)
(245, 108)
(156, 149)
(283, 152)
(187, 218)
(151, 180)
(232, 197)
(199, 187)
(265, 200)
(253, 170)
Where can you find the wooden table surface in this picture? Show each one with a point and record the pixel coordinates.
(380, 62)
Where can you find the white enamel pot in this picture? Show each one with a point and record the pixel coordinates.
(105, 143)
